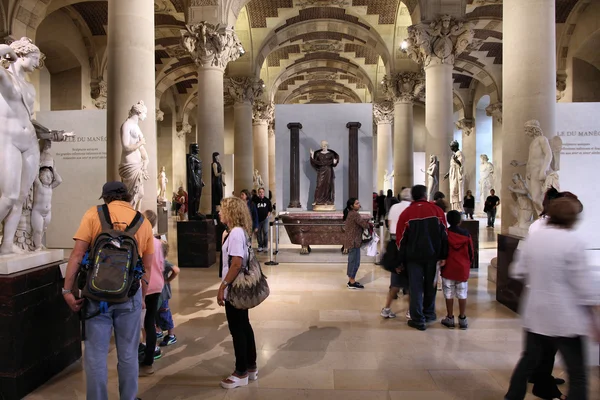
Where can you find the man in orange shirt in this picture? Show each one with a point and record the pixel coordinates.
(124, 318)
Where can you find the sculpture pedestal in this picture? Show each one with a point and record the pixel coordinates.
(163, 218)
(473, 227)
(196, 243)
(39, 334)
(323, 207)
(13, 263)
(508, 290)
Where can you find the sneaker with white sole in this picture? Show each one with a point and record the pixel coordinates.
(253, 375)
(387, 313)
(408, 314)
(355, 285)
(462, 322)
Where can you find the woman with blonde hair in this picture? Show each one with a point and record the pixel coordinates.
(235, 215)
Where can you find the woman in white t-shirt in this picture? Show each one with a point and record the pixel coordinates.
(235, 215)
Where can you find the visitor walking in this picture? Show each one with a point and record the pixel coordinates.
(491, 207)
(380, 207)
(164, 318)
(264, 208)
(469, 204)
(423, 242)
(234, 213)
(558, 307)
(353, 230)
(247, 197)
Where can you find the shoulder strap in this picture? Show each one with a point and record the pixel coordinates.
(135, 224)
(104, 216)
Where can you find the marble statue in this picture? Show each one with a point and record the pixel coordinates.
(456, 174)
(388, 180)
(217, 183)
(433, 177)
(258, 180)
(162, 185)
(324, 161)
(194, 182)
(20, 150)
(47, 180)
(486, 177)
(134, 158)
(523, 207)
(543, 159)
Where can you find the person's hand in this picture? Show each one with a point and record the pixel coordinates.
(73, 303)
(221, 296)
(142, 141)
(442, 263)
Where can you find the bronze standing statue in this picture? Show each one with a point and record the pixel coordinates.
(194, 182)
(324, 160)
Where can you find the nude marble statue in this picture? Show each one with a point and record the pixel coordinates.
(19, 134)
(134, 158)
(433, 177)
(523, 205)
(388, 180)
(258, 180)
(162, 185)
(486, 177)
(457, 177)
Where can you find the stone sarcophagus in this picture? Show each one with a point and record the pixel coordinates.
(308, 228)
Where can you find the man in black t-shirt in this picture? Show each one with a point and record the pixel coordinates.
(491, 206)
(264, 208)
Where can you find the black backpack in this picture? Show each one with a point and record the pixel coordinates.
(112, 268)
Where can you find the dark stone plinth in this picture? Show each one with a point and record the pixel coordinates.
(196, 243)
(163, 218)
(39, 334)
(473, 227)
(294, 128)
(353, 160)
(508, 290)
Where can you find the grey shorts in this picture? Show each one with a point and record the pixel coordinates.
(399, 281)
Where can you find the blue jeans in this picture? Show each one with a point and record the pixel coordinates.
(263, 234)
(125, 318)
(491, 214)
(421, 278)
(353, 262)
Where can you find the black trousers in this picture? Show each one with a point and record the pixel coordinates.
(150, 327)
(539, 350)
(243, 339)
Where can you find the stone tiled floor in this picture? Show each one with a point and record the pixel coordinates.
(318, 340)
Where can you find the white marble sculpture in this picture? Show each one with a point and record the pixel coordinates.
(523, 207)
(388, 180)
(258, 180)
(486, 178)
(162, 185)
(47, 180)
(433, 177)
(20, 151)
(543, 159)
(134, 158)
(456, 174)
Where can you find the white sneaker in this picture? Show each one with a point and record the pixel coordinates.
(260, 249)
(387, 313)
(408, 314)
(233, 382)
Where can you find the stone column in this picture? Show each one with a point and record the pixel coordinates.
(272, 165)
(469, 150)
(384, 117)
(263, 115)
(495, 111)
(403, 88)
(353, 177)
(435, 44)
(129, 83)
(243, 90)
(212, 48)
(294, 128)
(179, 156)
(529, 88)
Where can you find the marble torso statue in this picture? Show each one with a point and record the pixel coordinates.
(523, 207)
(324, 160)
(162, 185)
(258, 180)
(388, 180)
(486, 177)
(456, 176)
(433, 177)
(134, 159)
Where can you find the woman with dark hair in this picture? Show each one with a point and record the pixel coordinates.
(390, 200)
(558, 306)
(439, 199)
(469, 204)
(353, 230)
(247, 197)
(216, 181)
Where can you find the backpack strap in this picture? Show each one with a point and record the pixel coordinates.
(135, 224)
(104, 216)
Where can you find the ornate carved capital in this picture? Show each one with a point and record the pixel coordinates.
(466, 125)
(160, 115)
(186, 129)
(439, 41)
(404, 87)
(494, 110)
(210, 45)
(383, 112)
(244, 88)
(561, 85)
(99, 93)
(263, 112)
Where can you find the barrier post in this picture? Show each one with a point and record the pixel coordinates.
(276, 236)
(271, 262)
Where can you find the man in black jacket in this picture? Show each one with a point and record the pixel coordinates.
(422, 242)
(264, 208)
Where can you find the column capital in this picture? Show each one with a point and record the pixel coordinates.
(210, 45)
(404, 87)
(353, 125)
(294, 125)
(439, 41)
(244, 89)
(263, 112)
(271, 130)
(494, 110)
(466, 125)
(99, 92)
(383, 112)
(186, 129)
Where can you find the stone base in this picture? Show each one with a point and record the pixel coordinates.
(493, 270)
(323, 207)
(508, 290)
(39, 334)
(518, 232)
(13, 263)
(196, 244)
(473, 227)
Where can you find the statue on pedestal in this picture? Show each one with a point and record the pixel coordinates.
(20, 150)
(162, 185)
(217, 182)
(433, 177)
(486, 177)
(194, 182)
(258, 180)
(324, 160)
(133, 169)
(457, 177)
(522, 208)
(388, 180)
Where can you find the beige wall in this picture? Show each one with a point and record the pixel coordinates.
(586, 82)
(164, 143)
(65, 90)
